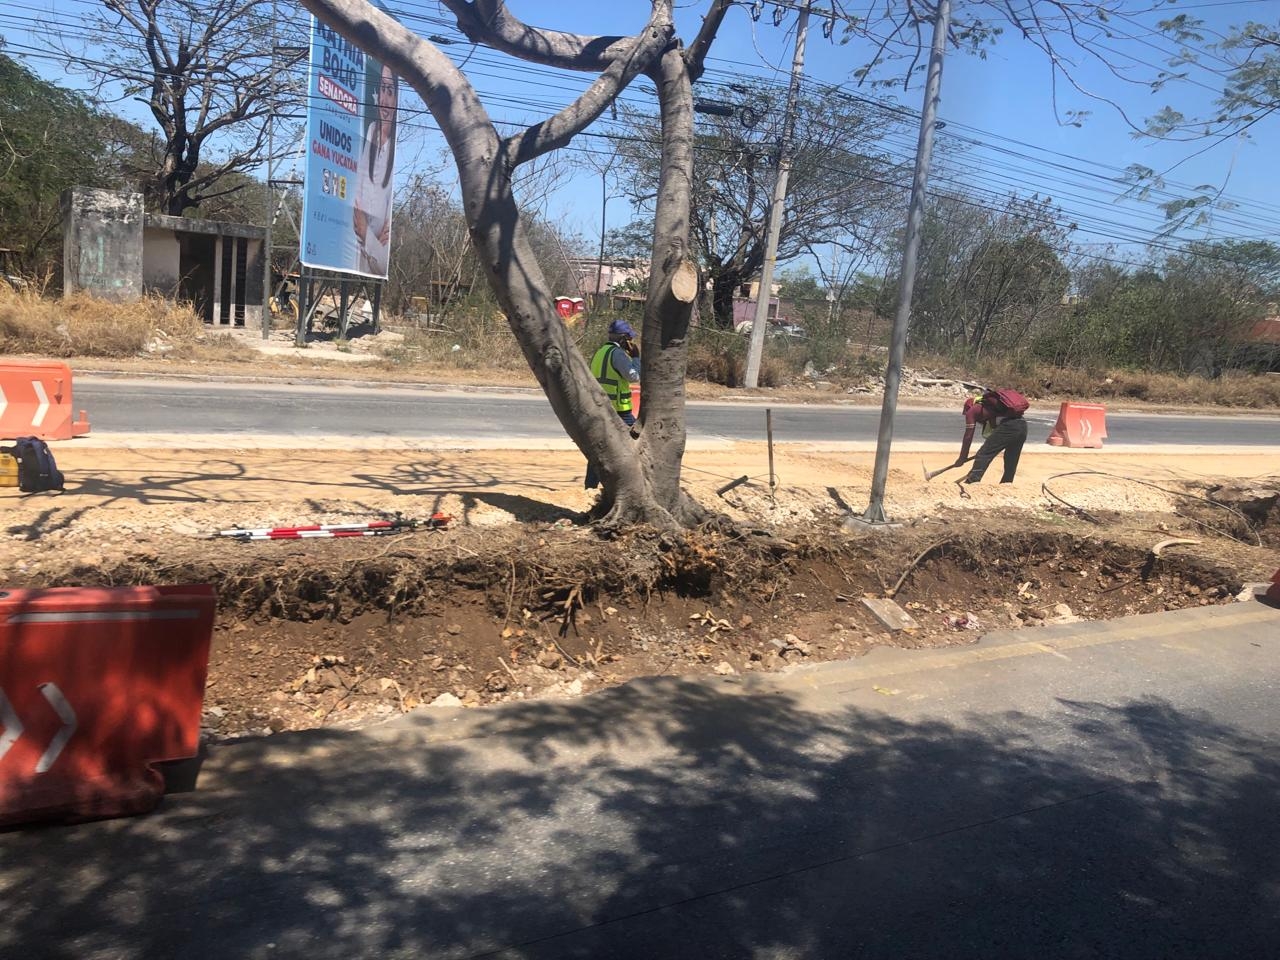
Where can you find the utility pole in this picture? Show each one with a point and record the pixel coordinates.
(907, 281)
(604, 209)
(271, 196)
(775, 207)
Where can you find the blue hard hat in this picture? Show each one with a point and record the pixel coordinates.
(620, 328)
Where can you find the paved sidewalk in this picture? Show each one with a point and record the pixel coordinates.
(1086, 790)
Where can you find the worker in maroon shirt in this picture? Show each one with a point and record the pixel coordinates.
(1003, 429)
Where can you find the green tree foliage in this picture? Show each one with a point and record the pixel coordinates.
(1247, 59)
(800, 285)
(51, 139)
(1188, 312)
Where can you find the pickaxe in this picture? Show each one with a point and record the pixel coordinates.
(930, 474)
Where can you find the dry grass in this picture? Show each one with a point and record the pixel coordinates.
(722, 359)
(1253, 391)
(85, 326)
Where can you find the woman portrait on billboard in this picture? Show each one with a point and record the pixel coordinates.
(372, 219)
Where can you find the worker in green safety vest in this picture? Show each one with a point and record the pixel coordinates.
(616, 365)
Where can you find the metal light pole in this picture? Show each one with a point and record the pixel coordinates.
(775, 207)
(604, 210)
(915, 221)
(271, 196)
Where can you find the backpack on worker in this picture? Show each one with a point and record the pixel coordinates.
(1005, 402)
(37, 470)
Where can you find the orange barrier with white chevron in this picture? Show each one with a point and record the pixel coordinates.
(96, 686)
(1080, 425)
(35, 401)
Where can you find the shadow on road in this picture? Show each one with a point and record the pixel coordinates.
(674, 819)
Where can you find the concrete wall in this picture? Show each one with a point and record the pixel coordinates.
(161, 261)
(102, 243)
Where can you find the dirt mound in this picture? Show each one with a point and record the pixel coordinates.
(1253, 509)
(343, 632)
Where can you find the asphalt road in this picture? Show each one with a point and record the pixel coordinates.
(181, 407)
(1083, 792)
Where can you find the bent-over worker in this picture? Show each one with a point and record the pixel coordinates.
(1000, 413)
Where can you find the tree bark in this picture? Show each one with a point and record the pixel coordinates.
(669, 305)
(640, 481)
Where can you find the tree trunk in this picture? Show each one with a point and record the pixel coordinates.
(641, 481)
(525, 297)
(669, 305)
(724, 286)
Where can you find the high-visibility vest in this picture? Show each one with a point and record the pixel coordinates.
(616, 388)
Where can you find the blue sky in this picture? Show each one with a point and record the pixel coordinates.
(1009, 94)
(1002, 106)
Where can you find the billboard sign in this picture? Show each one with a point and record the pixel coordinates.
(351, 154)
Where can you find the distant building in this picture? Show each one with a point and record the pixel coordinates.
(595, 277)
(113, 248)
(1265, 331)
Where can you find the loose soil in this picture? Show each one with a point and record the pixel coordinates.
(519, 598)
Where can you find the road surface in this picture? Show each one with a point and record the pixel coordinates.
(1095, 790)
(182, 407)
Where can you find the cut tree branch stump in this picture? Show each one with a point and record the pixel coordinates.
(684, 282)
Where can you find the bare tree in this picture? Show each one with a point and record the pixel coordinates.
(432, 256)
(988, 276)
(641, 480)
(208, 73)
(842, 183)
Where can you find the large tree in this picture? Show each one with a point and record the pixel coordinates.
(641, 480)
(208, 71)
(843, 185)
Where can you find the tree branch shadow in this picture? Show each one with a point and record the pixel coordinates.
(671, 818)
(147, 490)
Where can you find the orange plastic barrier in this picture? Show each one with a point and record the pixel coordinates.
(95, 686)
(35, 401)
(1080, 425)
(635, 399)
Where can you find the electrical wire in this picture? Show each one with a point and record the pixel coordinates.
(1085, 514)
(996, 184)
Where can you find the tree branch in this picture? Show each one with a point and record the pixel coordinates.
(557, 131)
(695, 56)
(488, 22)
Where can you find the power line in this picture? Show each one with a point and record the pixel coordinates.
(550, 85)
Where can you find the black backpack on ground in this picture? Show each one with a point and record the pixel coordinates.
(37, 470)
